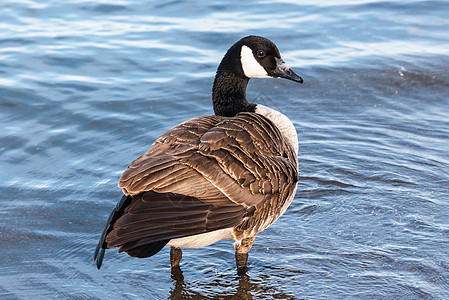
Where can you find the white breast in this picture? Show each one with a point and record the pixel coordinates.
(282, 122)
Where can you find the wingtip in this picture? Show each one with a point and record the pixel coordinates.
(98, 257)
(99, 251)
(99, 254)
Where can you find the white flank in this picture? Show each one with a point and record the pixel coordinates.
(283, 123)
(203, 239)
(251, 67)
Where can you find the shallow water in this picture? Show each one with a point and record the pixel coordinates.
(87, 85)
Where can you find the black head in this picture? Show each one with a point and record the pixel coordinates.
(259, 58)
(250, 57)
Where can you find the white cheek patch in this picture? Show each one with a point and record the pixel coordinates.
(250, 65)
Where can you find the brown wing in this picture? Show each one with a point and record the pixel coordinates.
(152, 217)
(160, 168)
(243, 157)
(247, 158)
(222, 172)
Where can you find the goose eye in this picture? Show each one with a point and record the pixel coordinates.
(260, 53)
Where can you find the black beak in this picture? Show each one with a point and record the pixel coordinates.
(283, 71)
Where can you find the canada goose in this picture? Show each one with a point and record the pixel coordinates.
(223, 176)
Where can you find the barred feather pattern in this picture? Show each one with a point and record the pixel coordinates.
(208, 173)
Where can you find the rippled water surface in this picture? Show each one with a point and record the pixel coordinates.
(87, 85)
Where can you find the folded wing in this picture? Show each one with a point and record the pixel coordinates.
(205, 174)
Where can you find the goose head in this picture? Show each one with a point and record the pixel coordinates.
(260, 58)
(250, 57)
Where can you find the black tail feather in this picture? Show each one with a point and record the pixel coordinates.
(147, 250)
(99, 255)
(116, 213)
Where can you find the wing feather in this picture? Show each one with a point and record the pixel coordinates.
(153, 217)
(206, 174)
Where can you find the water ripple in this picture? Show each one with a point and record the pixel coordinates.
(86, 86)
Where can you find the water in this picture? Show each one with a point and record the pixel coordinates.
(87, 85)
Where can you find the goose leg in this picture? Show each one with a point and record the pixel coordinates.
(175, 257)
(241, 253)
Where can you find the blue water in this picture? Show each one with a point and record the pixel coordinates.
(86, 86)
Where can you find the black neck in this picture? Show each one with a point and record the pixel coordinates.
(229, 95)
(229, 90)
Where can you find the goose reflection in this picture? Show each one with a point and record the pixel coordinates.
(246, 288)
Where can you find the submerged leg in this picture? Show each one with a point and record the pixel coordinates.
(241, 253)
(175, 257)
